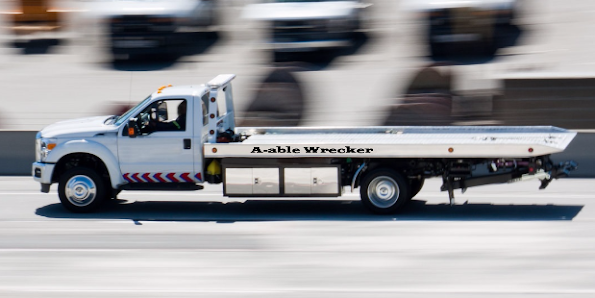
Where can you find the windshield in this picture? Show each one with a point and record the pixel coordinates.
(128, 113)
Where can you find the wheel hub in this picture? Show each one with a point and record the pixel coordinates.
(383, 192)
(80, 190)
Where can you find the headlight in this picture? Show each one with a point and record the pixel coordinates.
(37, 149)
(43, 148)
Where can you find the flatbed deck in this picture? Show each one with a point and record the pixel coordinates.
(395, 142)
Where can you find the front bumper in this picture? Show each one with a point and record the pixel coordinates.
(307, 45)
(35, 28)
(456, 38)
(42, 173)
(150, 44)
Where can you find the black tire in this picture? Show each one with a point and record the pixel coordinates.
(81, 190)
(384, 191)
(416, 185)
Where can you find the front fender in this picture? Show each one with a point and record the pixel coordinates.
(94, 148)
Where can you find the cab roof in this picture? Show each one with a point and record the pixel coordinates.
(180, 91)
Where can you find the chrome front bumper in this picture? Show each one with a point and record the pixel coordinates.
(306, 45)
(42, 173)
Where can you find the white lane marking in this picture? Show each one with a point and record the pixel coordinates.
(159, 193)
(140, 250)
(24, 194)
(30, 289)
(98, 290)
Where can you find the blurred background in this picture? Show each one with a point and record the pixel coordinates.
(304, 62)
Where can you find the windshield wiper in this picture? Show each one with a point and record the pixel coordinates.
(110, 118)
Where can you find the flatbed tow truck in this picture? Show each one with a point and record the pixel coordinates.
(93, 159)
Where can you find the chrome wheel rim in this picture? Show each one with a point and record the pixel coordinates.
(383, 192)
(80, 190)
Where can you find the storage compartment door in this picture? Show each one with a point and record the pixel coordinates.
(238, 181)
(325, 180)
(297, 180)
(266, 180)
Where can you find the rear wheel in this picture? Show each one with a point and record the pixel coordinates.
(81, 190)
(384, 191)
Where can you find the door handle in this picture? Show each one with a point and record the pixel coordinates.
(187, 144)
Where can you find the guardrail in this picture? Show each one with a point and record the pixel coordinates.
(17, 152)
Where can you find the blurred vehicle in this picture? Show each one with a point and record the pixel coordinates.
(475, 24)
(426, 101)
(152, 27)
(279, 101)
(307, 25)
(33, 16)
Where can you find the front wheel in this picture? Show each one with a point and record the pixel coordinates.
(384, 191)
(81, 190)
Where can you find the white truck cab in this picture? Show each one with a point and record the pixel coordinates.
(142, 146)
(178, 138)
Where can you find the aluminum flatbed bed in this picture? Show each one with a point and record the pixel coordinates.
(395, 142)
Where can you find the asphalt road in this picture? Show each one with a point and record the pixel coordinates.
(498, 241)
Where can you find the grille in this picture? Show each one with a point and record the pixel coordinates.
(140, 24)
(299, 30)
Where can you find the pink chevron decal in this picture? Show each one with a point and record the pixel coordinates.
(199, 177)
(186, 178)
(147, 177)
(128, 178)
(135, 177)
(158, 178)
(172, 177)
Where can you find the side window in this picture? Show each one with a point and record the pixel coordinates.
(163, 115)
(205, 109)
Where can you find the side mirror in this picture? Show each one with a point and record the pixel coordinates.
(133, 129)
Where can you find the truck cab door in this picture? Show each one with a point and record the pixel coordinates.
(162, 150)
